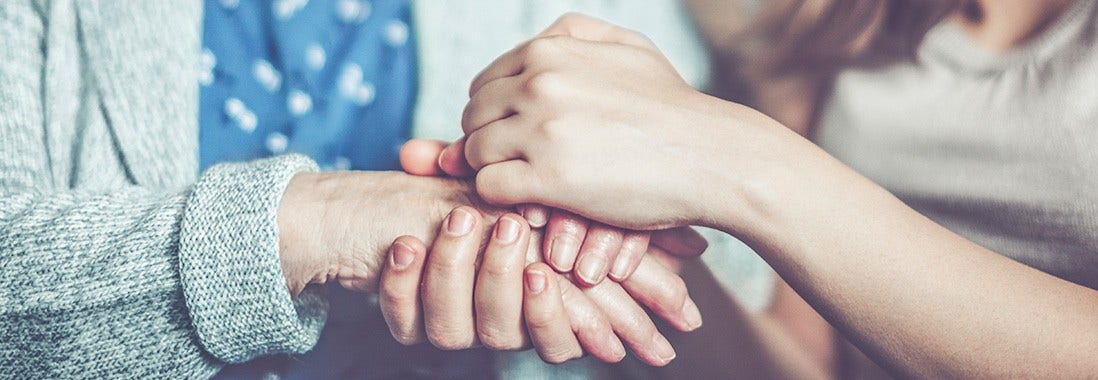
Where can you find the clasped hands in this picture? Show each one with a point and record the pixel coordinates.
(509, 297)
(463, 272)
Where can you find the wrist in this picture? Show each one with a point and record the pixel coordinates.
(755, 170)
(775, 202)
(299, 215)
(734, 177)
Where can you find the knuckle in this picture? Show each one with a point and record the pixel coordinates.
(467, 116)
(450, 263)
(571, 17)
(540, 320)
(499, 340)
(449, 339)
(543, 48)
(545, 86)
(595, 325)
(499, 267)
(671, 296)
(554, 131)
(392, 297)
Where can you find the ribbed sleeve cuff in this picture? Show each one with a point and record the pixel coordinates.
(229, 264)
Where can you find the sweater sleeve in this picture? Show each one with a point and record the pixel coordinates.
(134, 282)
(138, 282)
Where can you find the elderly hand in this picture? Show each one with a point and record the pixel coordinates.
(451, 300)
(338, 226)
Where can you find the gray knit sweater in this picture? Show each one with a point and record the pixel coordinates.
(115, 260)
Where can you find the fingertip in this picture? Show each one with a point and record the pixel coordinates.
(412, 243)
(633, 248)
(591, 269)
(536, 215)
(403, 253)
(461, 221)
(621, 270)
(537, 280)
(565, 233)
(617, 350)
(418, 157)
(691, 315)
(451, 160)
(509, 229)
(601, 248)
(398, 290)
(562, 252)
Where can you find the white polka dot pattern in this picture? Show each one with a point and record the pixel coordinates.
(284, 9)
(277, 142)
(353, 11)
(266, 75)
(240, 113)
(299, 103)
(315, 56)
(396, 33)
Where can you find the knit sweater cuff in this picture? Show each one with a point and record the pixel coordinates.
(229, 263)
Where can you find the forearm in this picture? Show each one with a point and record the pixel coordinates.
(915, 296)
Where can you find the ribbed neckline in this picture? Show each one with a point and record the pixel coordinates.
(950, 44)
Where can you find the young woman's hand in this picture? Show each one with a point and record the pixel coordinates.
(606, 129)
(593, 250)
(457, 298)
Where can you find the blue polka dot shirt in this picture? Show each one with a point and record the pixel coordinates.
(332, 79)
(335, 80)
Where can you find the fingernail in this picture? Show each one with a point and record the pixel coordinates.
(535, 215)
(460, 223)
(535, 281)
(563, 251)
(507, 230)
(438, 161)
(618, 271)
(592, 269)
(663, 348)
(691, 314)
(402, 256)
(616, 348)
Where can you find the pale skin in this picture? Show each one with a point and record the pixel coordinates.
(339, 227)
(519, 301)
(574, 115)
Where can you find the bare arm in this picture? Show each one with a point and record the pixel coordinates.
(916, 297)
(913, 295)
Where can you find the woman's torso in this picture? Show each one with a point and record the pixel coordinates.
(1000, 148)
